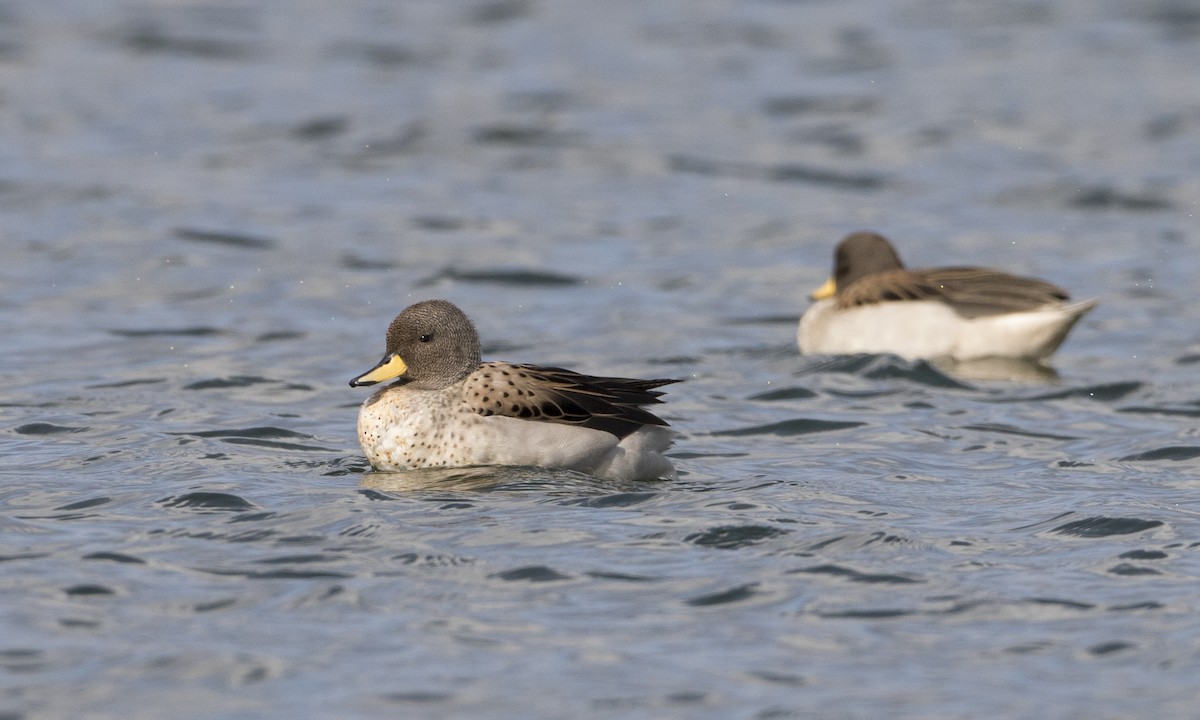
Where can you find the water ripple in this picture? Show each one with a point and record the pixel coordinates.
(202, 501)
(265, 436)
(115, 557)
(856, 576)
(1100, 526)
(1131, 569)
(786, 428)
(1103, 392)
(88, 589)
(227, 239)
(732, 537)
(791, 393)
(784, 172)
(725, 597)
(42, 428)
(518, 277)
(1174, 453)
(193, 331)
(1005, 429)
(1161, 410)
(532, 573)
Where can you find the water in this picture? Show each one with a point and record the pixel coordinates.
(211, 212)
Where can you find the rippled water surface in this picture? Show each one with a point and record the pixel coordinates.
(209, 212)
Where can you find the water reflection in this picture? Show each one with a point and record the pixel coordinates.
(939, 373)
(492, 478)
(1000, 369)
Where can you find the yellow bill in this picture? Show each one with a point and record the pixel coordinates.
(828, 290)
(391, 366)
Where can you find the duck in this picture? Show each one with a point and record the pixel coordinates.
(874, 304)
(447, 408)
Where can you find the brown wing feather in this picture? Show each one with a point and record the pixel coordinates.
(889, 286)
(972, 292)
(980, 291)
(556, 395)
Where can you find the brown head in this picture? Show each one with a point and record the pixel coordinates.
(431, 345)
(858, 255)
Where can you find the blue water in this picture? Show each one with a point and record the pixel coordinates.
(209, 213)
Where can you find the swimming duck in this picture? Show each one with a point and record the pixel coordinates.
(873, 304)
(447, 408)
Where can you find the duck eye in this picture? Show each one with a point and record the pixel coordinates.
(425, 338)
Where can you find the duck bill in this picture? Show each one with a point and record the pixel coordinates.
(391, 366)
(828, 290)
